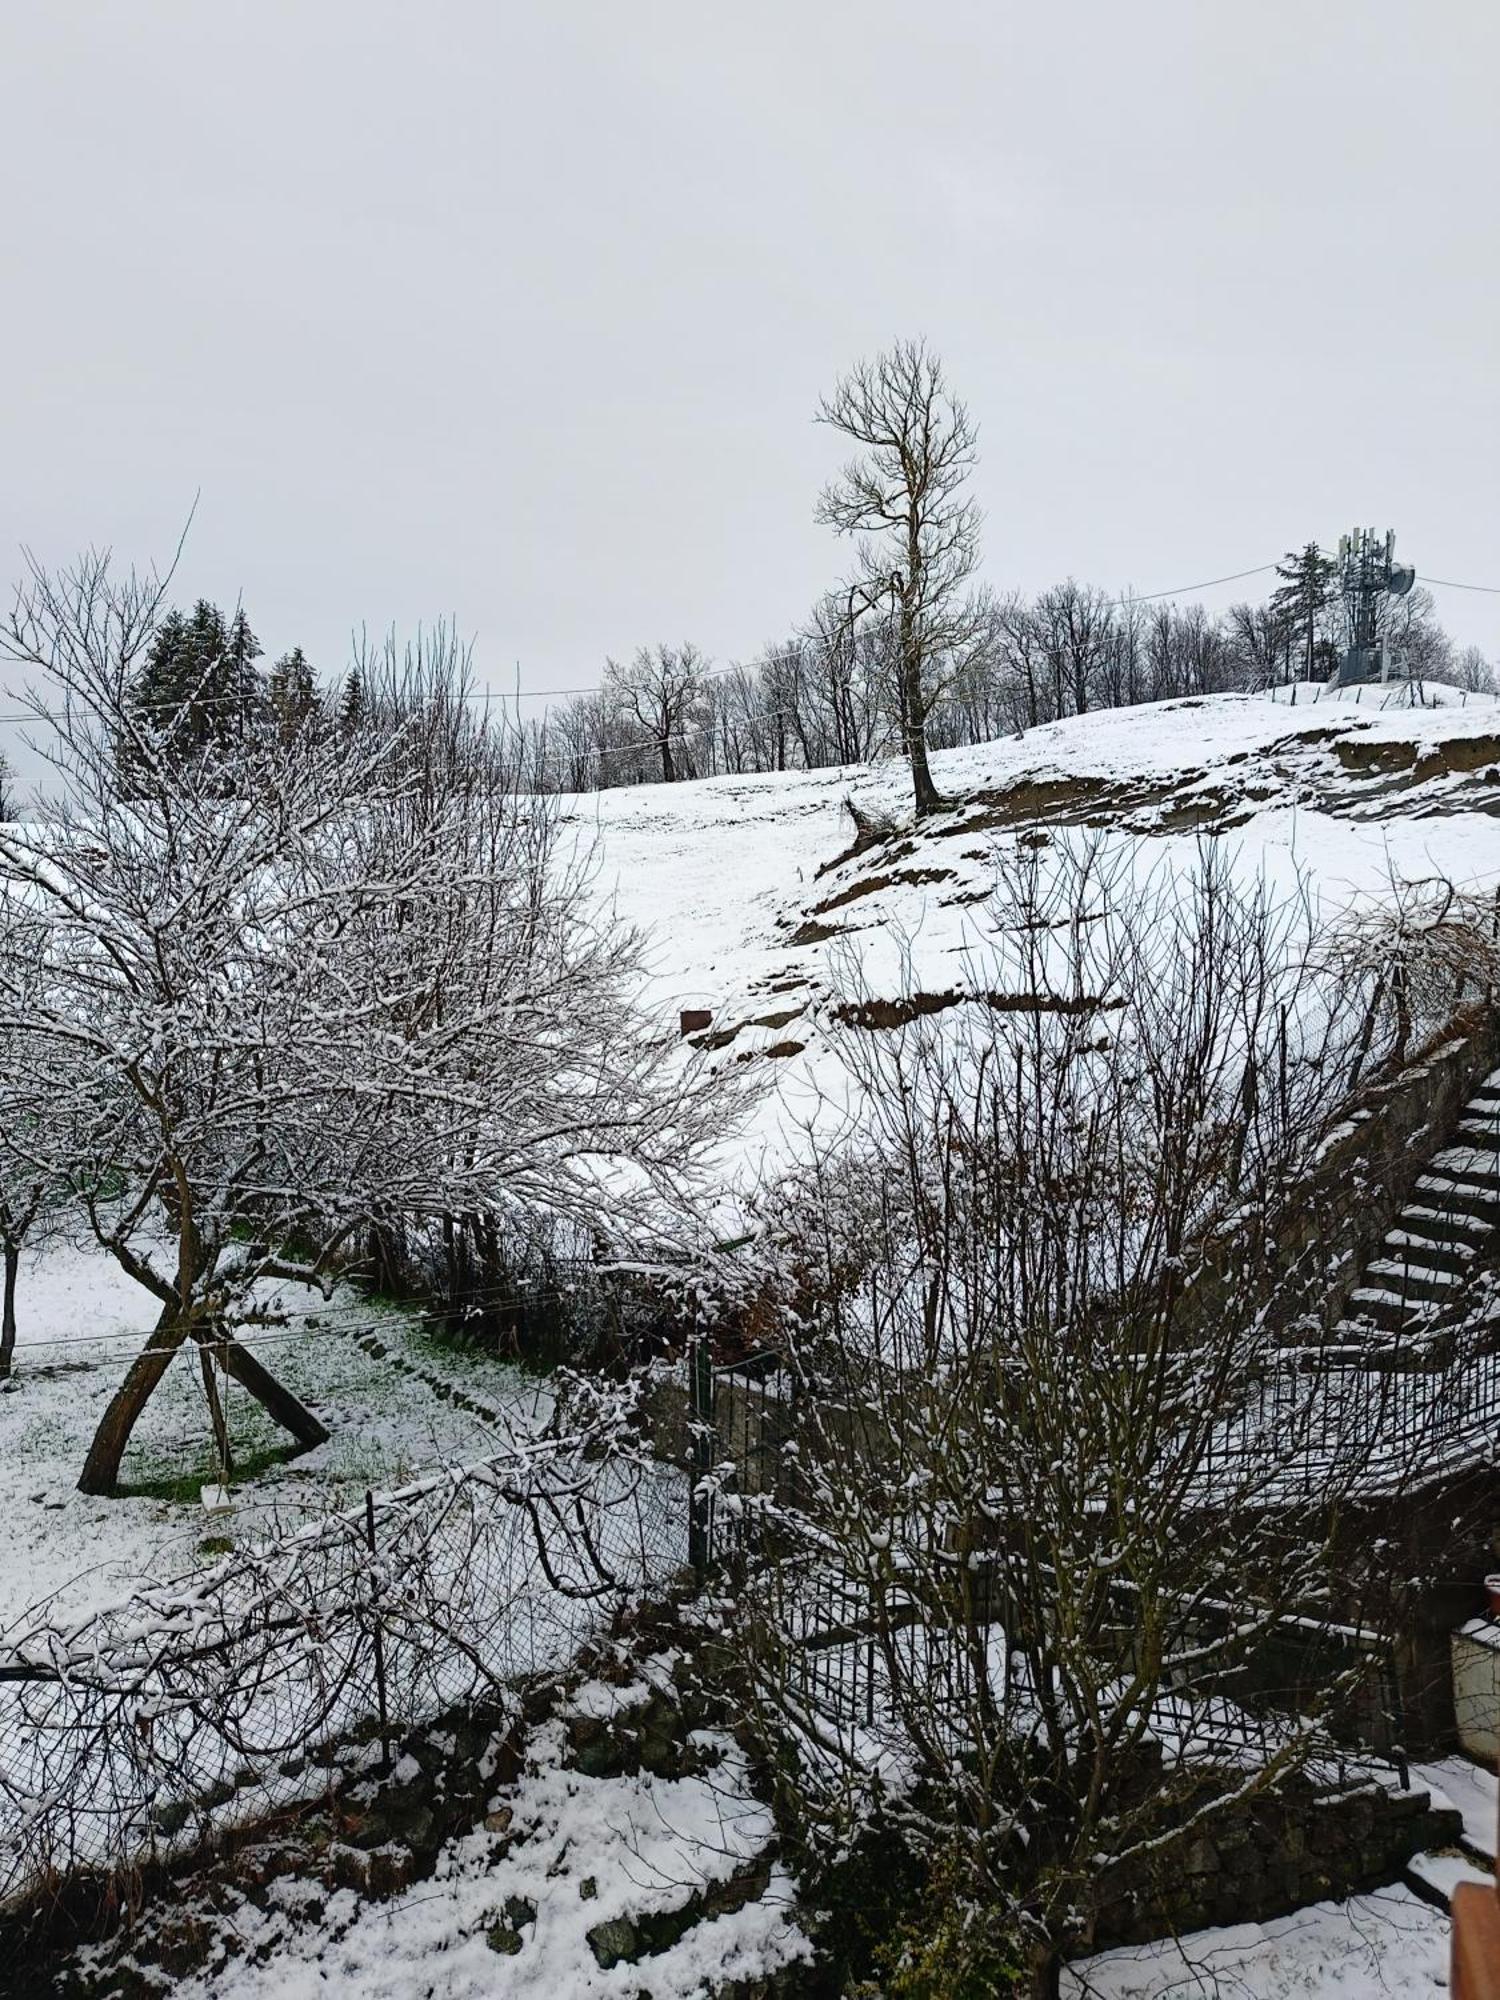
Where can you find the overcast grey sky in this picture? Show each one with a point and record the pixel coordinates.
(521, 314)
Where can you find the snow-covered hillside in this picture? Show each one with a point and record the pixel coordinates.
(753, 916)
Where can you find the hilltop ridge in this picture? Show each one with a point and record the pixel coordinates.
(762, 910)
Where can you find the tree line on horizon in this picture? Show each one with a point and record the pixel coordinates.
(906, 654)
(909, 653)
(822, 697)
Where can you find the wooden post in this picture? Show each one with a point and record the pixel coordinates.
(1474, 1968)
(380, 1697)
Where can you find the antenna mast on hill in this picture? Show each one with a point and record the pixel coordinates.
(1368, 572)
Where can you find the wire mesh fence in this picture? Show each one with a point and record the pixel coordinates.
(133, 1733)
(137, 1732)
(1299, 1427)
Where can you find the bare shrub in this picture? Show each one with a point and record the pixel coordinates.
(1039, 1542)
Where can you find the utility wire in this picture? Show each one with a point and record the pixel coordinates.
(762, 717)
(1150, 596)
(349, 1318)
(709, 673)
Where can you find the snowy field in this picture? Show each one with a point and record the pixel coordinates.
(1333, 793)
(82, 1321)
(723, 876)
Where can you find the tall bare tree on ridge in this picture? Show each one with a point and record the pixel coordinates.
(904, 499)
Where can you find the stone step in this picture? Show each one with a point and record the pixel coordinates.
(1475, 1165)
(1402, 1247)
(1471, 1790)
(1435, 1876)
(1478, 1132)
(1446, 1226)
(1469, 1198)
(1413, 1281)
(1369, 1306)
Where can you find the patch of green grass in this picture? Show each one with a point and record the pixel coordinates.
(455, 1343)
(354, 1464)
(184, 1487)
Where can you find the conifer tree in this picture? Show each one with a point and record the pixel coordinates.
(240, 694)
(353, 711)
(1306, 591)
(199, 689)
(292, 696)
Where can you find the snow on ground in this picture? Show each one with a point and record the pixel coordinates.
(81, 1322)
(509, 1911)
(1338, 789)
(1386, 1943)
(1471, 1790)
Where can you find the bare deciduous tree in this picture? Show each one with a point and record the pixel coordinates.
(905, 500)
(1420, 647)
(295, 990)
(1471, 671)
(659, 691)
(30, 1190)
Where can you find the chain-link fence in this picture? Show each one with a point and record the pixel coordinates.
(135, 1733)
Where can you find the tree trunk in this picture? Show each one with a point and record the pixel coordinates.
(8, 1312)
(1044, 1974)
(275, 1399)
(101, 1469)
(927, 797)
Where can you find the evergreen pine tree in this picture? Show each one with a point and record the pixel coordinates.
(205, 674)
(163, 689)
(198, 688)
(292, 695)
(240, 698)
(1306, 591)
(353, 707)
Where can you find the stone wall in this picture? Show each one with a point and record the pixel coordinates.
(1415, 1562)
(1274, 1855)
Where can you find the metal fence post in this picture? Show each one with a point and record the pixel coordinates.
(701, 1456)
(380, 1698)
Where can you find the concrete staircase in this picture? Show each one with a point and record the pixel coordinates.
(1450, 1223)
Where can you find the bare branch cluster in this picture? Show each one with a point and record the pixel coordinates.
(213, 1700)
(1036, 1540)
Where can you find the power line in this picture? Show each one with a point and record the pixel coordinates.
(518, 693)
(1150, 596)
(763, 716)
(341, 1319)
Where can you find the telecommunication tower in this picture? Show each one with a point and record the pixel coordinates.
(1368, 572)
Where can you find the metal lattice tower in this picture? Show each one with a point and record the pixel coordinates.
(1368, 573)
